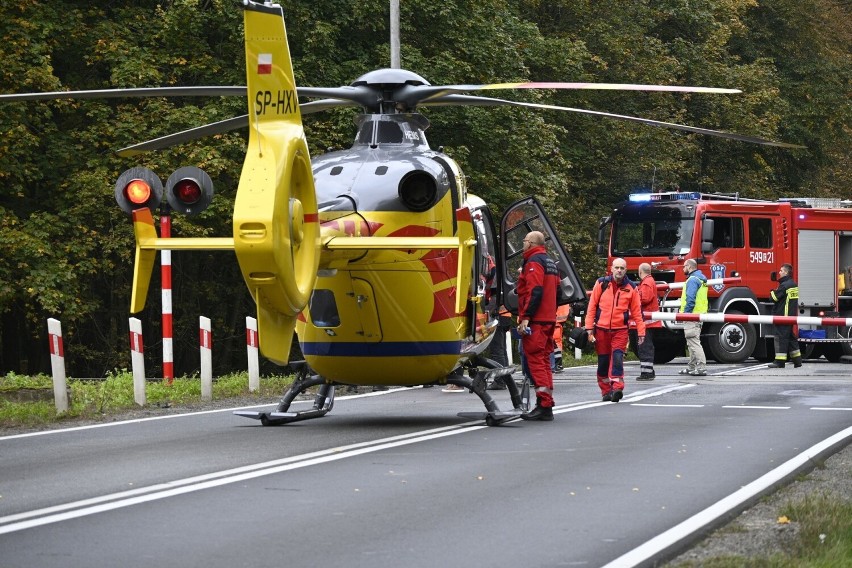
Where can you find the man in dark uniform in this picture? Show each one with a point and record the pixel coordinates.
(786, 298)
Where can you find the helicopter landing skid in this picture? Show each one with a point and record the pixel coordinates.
(323, 403)
(278, 418)
(491, 418)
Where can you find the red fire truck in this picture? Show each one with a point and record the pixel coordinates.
(730, 237)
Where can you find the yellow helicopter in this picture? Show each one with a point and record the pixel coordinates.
(387, 268)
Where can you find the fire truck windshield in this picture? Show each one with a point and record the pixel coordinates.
(649, 230)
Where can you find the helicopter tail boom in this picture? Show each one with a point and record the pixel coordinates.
(276, 223)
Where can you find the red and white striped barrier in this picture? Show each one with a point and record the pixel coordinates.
(710, 282)
(205, 341)
(252, 351)
(57, 365)
(745, 318)
(137, 361)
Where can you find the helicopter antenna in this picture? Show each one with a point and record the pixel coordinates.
(394, 34)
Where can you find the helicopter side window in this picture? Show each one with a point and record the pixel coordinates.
(485, 254)
(389, 133)
(323, 309)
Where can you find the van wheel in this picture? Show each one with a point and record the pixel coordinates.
(731, 342)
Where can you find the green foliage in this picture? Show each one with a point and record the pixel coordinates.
(67, 250)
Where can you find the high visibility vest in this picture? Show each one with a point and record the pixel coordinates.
(700, 297)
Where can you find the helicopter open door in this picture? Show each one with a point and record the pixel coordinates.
(519, 219)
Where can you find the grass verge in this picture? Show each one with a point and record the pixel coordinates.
(97, 398)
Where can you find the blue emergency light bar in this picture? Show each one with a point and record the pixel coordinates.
(666, 196)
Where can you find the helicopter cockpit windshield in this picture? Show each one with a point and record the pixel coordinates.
(407, 129)
(652, 231)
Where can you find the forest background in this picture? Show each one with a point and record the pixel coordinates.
(66, 250)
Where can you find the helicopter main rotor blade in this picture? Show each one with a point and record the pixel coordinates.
(185, 136)
(424, 94)
(357, 95)
(129, 93)
(322, 105)
(218, 128)
(465, 100)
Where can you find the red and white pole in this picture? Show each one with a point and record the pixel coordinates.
(166, 274)
(205, 340)
(137, 361)
(578, 353)
(252, 351)
(57, 365)
(745, 318)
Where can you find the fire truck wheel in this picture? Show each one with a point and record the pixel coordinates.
(832, 352)
(730, 342)
(845, 348)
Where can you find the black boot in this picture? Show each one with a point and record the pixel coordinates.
(545, 414)
(497, 384)
(797, 361)
(777, 364)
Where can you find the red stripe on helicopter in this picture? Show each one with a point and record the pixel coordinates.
(442, 264)
(349, 228)
(264, 63)
(444, 306)
(311, 217)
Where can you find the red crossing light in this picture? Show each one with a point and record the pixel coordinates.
(189, 190)
(137, 188)
(138, 192)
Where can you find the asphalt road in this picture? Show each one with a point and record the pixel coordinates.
(397, 479)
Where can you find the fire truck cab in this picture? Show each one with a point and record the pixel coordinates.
(730, 237)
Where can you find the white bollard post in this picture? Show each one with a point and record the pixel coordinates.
(57, 365)
(251, 349)
(578, 353)
(137, 360)
(205, 339)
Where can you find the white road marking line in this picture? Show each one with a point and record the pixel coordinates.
(829, 408)
(58, 513)
(668, 405)
(752, 407)
(49, 515)
(654, 547)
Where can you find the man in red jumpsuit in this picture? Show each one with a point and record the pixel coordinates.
(613, 305)
(537, 283)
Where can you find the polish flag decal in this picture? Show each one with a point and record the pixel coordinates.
(264, 63)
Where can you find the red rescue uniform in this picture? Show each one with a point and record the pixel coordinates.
(537, 284)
